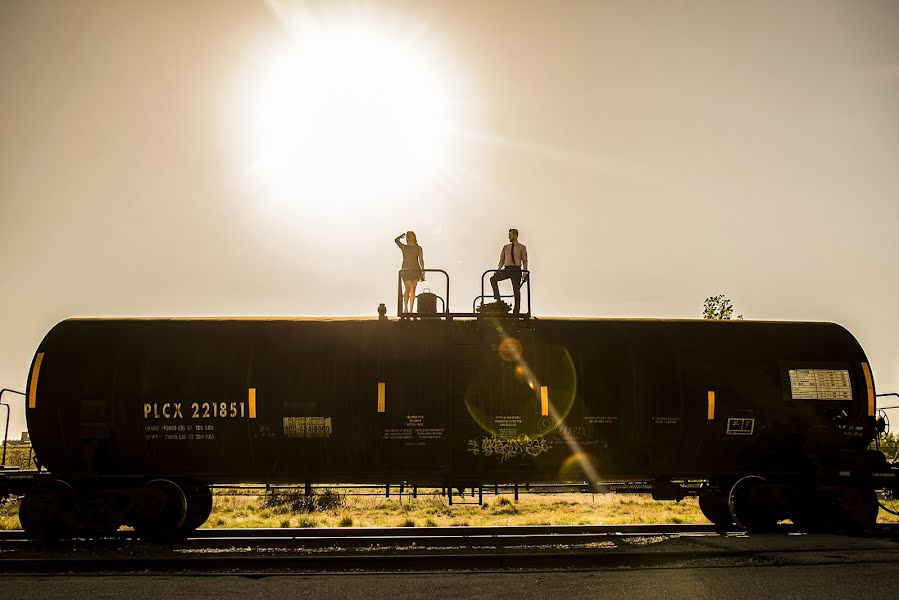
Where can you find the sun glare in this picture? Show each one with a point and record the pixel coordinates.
(349, 108)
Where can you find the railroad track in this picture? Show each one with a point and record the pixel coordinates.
(407, 549)
(365, 535)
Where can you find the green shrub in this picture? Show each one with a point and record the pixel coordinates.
(295, 501)
(346, 521)
(438, 505)
(504, 506)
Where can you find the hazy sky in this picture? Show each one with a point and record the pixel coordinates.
(652, 153)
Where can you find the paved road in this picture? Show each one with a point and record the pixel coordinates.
(712, 582)
(695, 567)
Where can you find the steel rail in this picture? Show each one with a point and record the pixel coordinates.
(458, 532)
(399, 562)
(403, 550)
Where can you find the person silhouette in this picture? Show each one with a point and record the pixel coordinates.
(412, 269)
(513, 258)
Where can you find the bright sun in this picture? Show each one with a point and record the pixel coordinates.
(347, 110)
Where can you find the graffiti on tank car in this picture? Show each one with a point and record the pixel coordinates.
(508, 448)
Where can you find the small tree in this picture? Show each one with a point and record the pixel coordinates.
(718, 308)
(889, 445)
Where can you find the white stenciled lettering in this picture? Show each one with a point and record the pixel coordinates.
(198, 410)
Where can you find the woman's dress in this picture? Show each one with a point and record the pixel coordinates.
(411, 269)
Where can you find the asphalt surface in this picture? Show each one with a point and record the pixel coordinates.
(698, 567)
(395, 553)
(712, 582)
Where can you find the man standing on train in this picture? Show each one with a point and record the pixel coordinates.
(513, 258)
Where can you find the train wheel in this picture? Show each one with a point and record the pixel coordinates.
(160, 510)
(199, 507)
(713, 505)
(47, 511)
(751, 505)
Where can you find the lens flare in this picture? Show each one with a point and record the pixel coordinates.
(522, 390)
(510, 349)
(580, 466)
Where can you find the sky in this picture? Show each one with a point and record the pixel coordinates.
(258, 158)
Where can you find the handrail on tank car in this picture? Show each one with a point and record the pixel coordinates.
(525, 279)
(6, 428)
(884, 395)
(399, 294)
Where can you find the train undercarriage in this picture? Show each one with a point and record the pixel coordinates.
(159, 509)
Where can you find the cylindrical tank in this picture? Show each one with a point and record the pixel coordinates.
(427, 303)
(438, 401)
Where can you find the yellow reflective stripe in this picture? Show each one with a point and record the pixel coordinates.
(251, 400)
(382, 396)
(544, 400)
(711, 415)
(32, 390)
(869, 382)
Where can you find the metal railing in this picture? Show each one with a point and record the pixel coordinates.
(445, 303)
(525, 280)
(6, 427)
(399, 296)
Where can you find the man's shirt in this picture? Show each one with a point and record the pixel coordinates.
(514, 255)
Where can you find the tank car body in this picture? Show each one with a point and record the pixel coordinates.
(118, 403)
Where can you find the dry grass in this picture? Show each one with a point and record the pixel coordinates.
(435, 511)
(19, 455)
(9, 514)
(242, 510)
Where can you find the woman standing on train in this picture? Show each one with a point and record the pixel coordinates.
(412, 270)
